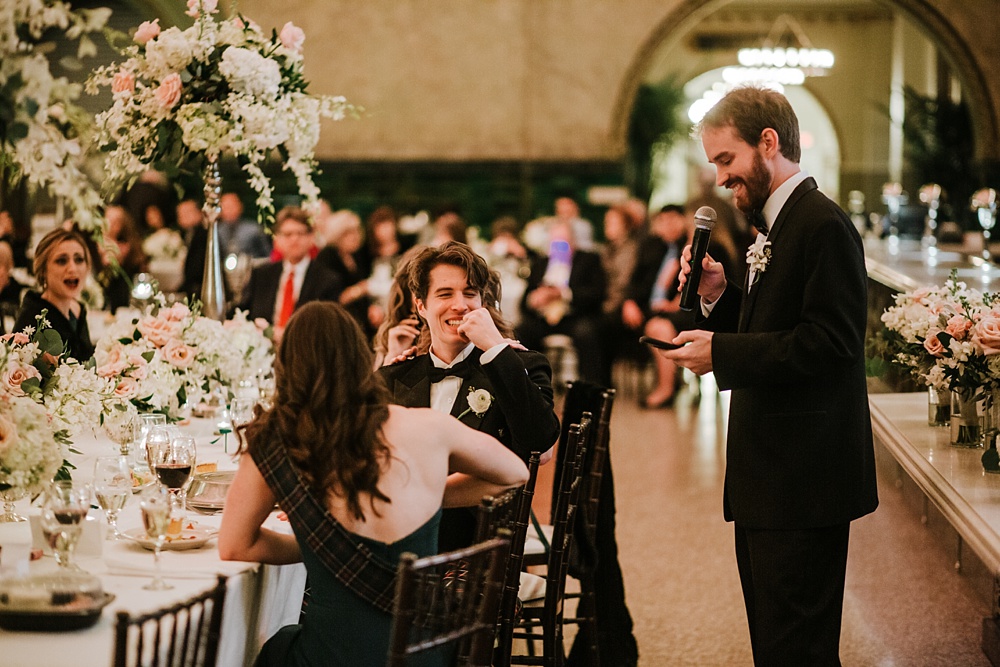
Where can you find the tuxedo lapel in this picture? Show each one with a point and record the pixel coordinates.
(761, 278)
(267, 296)
(477, 380)
(412, 389)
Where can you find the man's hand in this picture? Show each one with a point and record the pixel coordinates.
(713, 276)
(696, 355)
(543, 296)
(479, 328)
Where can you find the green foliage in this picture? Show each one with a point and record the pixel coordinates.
(657, 123)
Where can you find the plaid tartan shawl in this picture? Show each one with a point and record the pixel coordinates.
(354, 565)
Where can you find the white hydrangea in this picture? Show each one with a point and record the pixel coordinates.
(250, 72)
(170, 52)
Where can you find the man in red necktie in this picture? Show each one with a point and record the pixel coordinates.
(277, 288)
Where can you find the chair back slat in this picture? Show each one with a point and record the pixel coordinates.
(192, 639)
(450, 598)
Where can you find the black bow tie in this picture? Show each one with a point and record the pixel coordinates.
(758, 221)
(461, 369)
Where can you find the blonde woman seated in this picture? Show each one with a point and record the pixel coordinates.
(362, 482)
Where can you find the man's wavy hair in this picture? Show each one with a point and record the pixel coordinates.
(478, 274)
(329, 407)
(750, 110)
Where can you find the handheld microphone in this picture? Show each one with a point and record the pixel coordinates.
(704, 220)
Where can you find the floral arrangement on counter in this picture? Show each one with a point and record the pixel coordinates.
(167, 357)
(184, 97)
(948, 337)
(69, 394)
(41, 127)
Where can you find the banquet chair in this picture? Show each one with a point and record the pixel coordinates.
(545, 622)
(514, 516)
(448, 599)
(185, 634)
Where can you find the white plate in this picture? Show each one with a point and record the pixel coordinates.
(190, 538)
(144, 478)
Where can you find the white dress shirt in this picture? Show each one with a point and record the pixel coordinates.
(300, 276)
(444, 393)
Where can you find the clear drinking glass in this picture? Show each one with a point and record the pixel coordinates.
(112, 486)
(63, 513)
(173, 462)
(265, 386)
(157, 435)
(156, 504)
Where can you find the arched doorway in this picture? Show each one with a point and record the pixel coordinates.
(859, 111)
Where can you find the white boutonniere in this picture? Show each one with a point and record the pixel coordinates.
(758, 256)
(479, 400)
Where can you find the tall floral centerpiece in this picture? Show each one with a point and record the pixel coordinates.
(41, 127)
(949, 338)
(169, 356)
(183, 98)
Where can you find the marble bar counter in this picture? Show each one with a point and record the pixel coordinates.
(907, 264)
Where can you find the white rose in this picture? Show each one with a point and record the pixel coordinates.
(479, 401)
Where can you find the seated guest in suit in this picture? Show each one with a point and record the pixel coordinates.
(61, 266)
(470, 354)
(239, 235)
(275, 290)
(564, 296)
(362, 482)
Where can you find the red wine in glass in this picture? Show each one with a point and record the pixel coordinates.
(173, 475)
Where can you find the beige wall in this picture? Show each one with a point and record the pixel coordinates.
(550, 79)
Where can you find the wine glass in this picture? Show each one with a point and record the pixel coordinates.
(241, 411)
(156, 504)
(112, 486)
(157, 435)
(266, 387)
(63, 514)
(144, 424)
(173, 463)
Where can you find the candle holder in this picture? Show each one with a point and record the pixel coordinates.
(984, 205)
(930, 196)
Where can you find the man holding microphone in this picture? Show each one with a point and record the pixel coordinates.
(789, 343)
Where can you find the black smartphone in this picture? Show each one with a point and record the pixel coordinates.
(661, 344)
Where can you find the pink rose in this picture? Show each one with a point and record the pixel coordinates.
(126, 388)
(147, 30)
(8, 435)
(158, 331)
(206, 6)
(18, 338)
(933, 345)
(261, 323)
(13, 377)
(988, 332)
(179, 354)
(175, 313)
(168, 93)
(292, 37)
(124, 82)
(112, 369)
(958, 326)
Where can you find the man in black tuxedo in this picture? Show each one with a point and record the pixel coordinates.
(276, 289)
(565, 295)
(790, 345)
(469, 354)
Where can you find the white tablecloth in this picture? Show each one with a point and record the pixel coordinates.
(259, 599)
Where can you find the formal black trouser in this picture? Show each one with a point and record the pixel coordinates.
(793, 588)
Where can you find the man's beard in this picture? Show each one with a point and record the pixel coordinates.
(756, 186)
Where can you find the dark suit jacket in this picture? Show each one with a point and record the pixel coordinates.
(261, 293)
(586, 280)
(800, 449)
(521, 415)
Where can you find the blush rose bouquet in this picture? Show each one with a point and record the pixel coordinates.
(947, 336)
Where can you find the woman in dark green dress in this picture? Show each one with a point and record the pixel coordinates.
(361, 481)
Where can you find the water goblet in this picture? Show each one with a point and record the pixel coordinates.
(157, 435)
(173, 462)
(266, 387)
(63, 513)
(156, 504)
(112, 486)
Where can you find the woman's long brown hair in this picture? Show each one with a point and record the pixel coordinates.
(329, 406)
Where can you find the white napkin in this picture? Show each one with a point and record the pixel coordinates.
(174, 565)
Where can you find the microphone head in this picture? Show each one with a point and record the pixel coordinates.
(705, 217)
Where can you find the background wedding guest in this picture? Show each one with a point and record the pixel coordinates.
(345, 255)
(564, 295)
(368, 477)
(61, 265)
(8, 234)
(239, 235)
(800, 464)
(191, 221)
(384, 250)
(508, 256)
(122, 258)
(537, 232)
(402, 328)
(470, 349)
(276, 289)
(10, 289)
(618, 257)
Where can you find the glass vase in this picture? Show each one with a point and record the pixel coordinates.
(966, 426)
(213, 295)
(938, 410)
